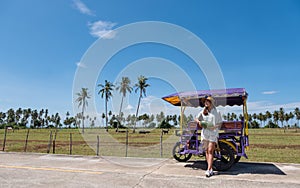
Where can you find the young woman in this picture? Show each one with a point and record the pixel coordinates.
(211, 121)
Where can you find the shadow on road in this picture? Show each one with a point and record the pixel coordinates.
(241, 168)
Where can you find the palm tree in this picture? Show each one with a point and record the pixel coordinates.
(18, 115)
(41, 119)
(160, 117)
(229, 117)
(276, 116)
(26, 114)
(2, 117)
(141, 87)
(260, 118)
(287, 118)
(233, 116)
(268, 115)
(281, 116)
(254, 116)
(34, 119)
(46, 118)
(106, 90)
(103, 116)
(291, 115)
(297, 114)
(10, 117)
(123, 88)
(82, 101)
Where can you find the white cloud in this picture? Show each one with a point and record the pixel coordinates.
(82, 8)
(80, 64)
(263, 106)
(269, 92)
(102, 29)
(129, 107)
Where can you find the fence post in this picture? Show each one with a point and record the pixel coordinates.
(4, 141)
(98, 143)
(50, 141)
(26, 141)
(126, 149)
(53, 147)
(70, 143)
(161, 146)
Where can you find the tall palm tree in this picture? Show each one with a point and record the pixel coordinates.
(10, 117)
(82, 101)
(268, 116)
(2, 117)
(18, 113)
(276, 117)
(260, 118)
(141, 87)
(233, 116)
(106, 90)
(103, 116)
(291, 116)
(24, 119)
(297, 115)
(281, 116)
(123, 88)
(254, 116)
(287, 118)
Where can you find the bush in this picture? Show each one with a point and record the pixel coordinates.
(254, 124)
(271, 125)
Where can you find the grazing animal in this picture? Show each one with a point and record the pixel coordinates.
(164, 131)
(121, 131)
(144, 132)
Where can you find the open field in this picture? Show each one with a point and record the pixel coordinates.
(266, 145)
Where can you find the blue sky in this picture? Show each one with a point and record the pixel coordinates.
(256, 44)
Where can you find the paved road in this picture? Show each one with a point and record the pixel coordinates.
(42, 170)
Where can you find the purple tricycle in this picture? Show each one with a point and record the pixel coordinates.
(233, 136)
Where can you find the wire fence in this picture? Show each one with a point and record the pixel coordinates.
(149, 143)
(273, 145)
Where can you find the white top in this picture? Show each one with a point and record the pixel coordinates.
(214, 117)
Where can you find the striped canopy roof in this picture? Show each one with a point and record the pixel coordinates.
(223, 97)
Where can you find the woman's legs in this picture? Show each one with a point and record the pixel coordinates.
(210, 155)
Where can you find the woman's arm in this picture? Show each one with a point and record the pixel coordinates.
(199, 118)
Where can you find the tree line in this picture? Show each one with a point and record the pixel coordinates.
(28, 118)
(22, 118)
(269, 119)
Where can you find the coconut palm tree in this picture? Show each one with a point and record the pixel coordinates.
(123, 88)
(268, 115)
(103, 116)
(276, 116)
(106, 90)
(281, 116)
(46, 118)
(10, 117)
(291, 116)
(260, 118)
(82, 101)
(141, 87)
(2, 117)
(287, 118)
(254, 116)
(18, 113)
(24, 119)
(297, 115)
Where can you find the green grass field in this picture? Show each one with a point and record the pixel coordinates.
(266, 145)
